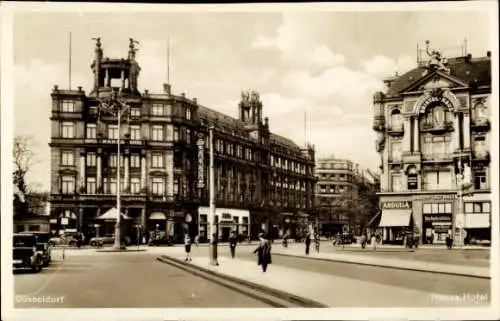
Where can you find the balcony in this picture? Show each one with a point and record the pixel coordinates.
(438, 157)
(394, 160)
(436, 128)
(481, 155)
(412, 157)
(396, 130)
(480, 125)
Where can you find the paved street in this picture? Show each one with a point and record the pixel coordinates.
(97, 280)
(438, 255)
(91, 279)
(429, 282)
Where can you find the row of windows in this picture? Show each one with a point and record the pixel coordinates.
(445, 208)
(331, 189)
(335, 177)
(331, 165)
(437, 180)
(157, 109)
(158, 132)
(283, 163)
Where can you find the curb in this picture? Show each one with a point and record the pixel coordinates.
(388, 266)
(303, 302)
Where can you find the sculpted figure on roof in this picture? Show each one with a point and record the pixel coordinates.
(436, 59)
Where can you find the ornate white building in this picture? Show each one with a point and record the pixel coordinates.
(428, 120)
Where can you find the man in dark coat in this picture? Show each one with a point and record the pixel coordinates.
(263, 252)
(233, 240)
(308, 242)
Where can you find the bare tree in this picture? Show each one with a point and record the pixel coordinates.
(24, 159)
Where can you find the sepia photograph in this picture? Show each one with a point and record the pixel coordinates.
(243, 161)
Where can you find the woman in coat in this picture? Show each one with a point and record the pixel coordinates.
(263, 252)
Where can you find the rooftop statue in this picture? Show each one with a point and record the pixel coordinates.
(132, 44)
(250, 96)
(436, 60)
(97, 42)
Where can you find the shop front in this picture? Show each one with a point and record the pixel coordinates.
(227, 220)
(475, 221)
(396, 221)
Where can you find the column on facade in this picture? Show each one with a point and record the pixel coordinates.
(123, 78)
(170, 174)
(416, 135)
(455, 139)
(144, 221)
(407, 134)
(466, 130)
(99, 170)
(82, 170)
(107, 81)
(143, 170)
(126, 164)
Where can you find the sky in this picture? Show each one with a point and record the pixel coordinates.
(322, 64)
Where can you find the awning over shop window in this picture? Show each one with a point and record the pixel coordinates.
(157, 216)
(473, 220)
(395, 218)
(112, 214)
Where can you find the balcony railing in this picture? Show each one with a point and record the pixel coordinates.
(436, 127)
(481, 155)
(480, 124)
(438, 157)
(395, 129)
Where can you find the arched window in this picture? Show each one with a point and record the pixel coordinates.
(396, 119)
(436, 115)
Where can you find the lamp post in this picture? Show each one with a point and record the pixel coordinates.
(118, 106)
(213, 234)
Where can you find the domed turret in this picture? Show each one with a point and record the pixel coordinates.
(378, 111)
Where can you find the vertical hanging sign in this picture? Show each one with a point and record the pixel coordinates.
(201, 167)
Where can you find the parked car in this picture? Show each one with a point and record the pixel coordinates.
(64, 239)
(42, 245)
(25, 253)
(160, 238)
(102, 240)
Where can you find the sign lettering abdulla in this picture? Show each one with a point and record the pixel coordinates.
(396, 205)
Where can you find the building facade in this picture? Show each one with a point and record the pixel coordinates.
(431, 121)
(164, 159)
(339, 182)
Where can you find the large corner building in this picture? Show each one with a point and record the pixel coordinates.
(165, 162)
(430, 122)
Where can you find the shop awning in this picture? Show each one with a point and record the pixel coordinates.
(112, 214)
(395, 218)
(473, 220)
(157, 216)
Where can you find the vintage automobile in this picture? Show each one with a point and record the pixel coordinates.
(65, 239)
(102, 240)
(158, 238)
(42, 245)
(25, 253)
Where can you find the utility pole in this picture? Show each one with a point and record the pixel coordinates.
(213, 233)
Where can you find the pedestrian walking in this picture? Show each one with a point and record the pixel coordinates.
(263, 252)
(363, 240)
(214, 243)
(308, 242)
(197, 240)
(316, 243)
(373, 242)
(449, 242)
(233, 240)
(187, 247)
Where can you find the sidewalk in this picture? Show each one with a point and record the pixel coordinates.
(332, 291)
(417, 265)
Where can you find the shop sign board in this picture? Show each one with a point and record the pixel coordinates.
(435, 197)
(201, 166)
(396, 205)
(437, 218)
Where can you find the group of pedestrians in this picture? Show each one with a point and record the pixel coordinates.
(263, 250)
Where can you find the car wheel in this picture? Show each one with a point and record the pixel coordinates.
(93, 244)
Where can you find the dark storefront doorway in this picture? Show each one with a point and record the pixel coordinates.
(226, 232)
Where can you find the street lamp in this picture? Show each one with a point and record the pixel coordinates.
(118, 107)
